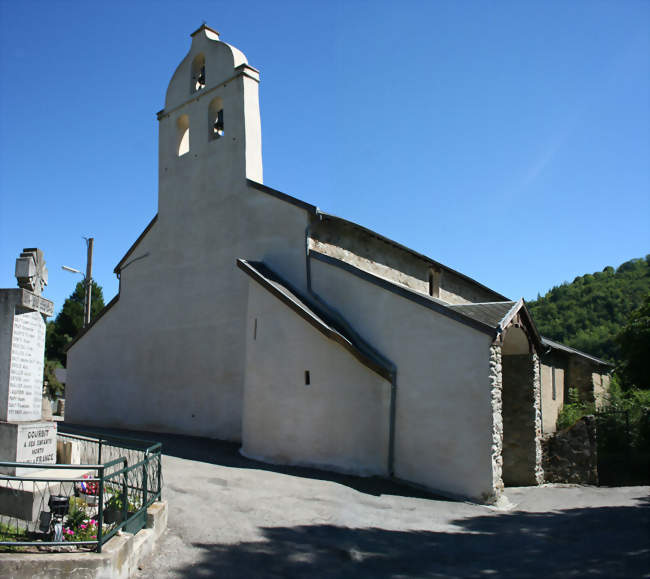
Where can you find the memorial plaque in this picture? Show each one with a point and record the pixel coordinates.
(36, 443)
(27, 442)
(26, 366)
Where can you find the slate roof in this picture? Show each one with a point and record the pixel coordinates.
(490, 313)
(318, 315)
(557, 346)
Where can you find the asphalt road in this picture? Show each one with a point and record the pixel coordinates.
(234, 517)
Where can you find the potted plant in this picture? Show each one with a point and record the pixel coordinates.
(113, 509)
(88, 489)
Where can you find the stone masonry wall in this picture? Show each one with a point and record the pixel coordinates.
(377, 256)
(537, 408)
(496, 388)
(579, 375)
(571, 455)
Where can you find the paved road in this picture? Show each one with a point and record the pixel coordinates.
(233, 517)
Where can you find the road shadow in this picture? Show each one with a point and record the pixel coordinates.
(224, 453)
(586, 542)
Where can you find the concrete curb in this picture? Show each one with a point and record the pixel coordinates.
(118, 560)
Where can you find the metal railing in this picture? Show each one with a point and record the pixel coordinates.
(85, 504)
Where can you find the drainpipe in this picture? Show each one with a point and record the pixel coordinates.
(343, 322)
(391, 425)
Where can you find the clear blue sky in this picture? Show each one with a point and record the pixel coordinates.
(508, 140)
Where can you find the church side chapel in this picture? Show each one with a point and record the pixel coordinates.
(310, 339)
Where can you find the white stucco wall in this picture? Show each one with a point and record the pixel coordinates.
(551, 407)
(443, 408)
(340, 421)
(169, 355)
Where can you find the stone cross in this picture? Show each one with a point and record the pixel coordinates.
(31, 272)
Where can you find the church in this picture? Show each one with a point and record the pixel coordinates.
(248, 315)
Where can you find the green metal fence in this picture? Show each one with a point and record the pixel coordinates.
(80, 505)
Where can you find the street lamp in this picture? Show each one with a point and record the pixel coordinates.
(87, 278)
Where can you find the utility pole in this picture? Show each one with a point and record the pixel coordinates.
(88, 280)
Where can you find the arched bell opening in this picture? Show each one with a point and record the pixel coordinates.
(183, 135)
(216, 127)
(197, 81)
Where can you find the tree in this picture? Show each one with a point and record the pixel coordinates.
(591, 311)
(634, 342)
(54, 388)
(69, 322)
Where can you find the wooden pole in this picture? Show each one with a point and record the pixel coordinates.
(89, 281)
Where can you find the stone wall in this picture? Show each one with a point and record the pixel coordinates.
(378, 256)
(496, 388)
(570, 455)
(537, 418)
(579, 376)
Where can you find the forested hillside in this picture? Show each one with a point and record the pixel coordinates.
(589, 312)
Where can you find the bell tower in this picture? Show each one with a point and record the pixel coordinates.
(210, 133)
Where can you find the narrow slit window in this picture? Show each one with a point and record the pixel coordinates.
(307, 378)
(255, 330)
(434, 282)
(553, 382)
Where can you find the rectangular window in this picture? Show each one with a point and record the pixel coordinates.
(553, 382)
(255, 330)
(307, 378)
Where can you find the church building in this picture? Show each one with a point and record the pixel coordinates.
(248, 315)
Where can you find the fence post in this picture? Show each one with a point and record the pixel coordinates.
(99, 452)
(145, 479)
(125, 491)
(159, 488)
(100, 517)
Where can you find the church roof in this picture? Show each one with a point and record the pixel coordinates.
(318, 315)
(490, 313)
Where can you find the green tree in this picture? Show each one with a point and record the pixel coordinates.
(591, 311)
(634, 342)
(69, 321)
(54, 388)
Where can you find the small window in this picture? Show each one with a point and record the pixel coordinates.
(183, 135)
(434, 282)
(198, 73)
(553, 382)
(307, 378)
(215, 119)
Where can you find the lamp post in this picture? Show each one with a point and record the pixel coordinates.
(88, 278)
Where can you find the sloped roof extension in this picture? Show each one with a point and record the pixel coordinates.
(490, 313)
(131, 249)
(557, 346)
(85, 330)
(318, 316)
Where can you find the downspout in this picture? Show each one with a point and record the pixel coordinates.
(343, 322)
(391, 425)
